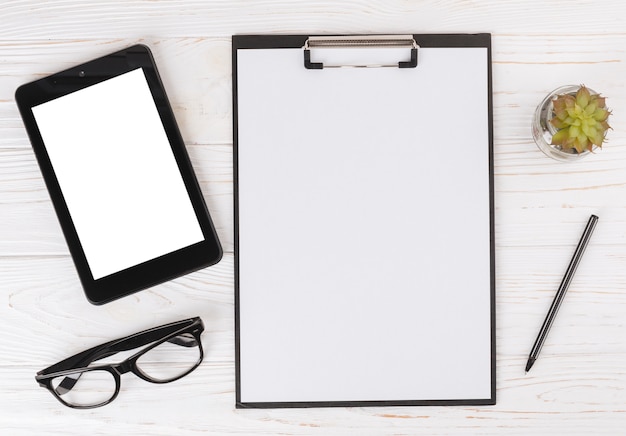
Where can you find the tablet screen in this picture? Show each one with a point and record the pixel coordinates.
(119, 177)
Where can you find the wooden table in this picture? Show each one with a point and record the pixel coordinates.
(578, 386)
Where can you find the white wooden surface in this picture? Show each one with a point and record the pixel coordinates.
(578, 386)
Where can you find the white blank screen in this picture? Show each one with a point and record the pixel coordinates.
(118, 174)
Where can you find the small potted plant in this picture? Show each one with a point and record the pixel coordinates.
(571, 122)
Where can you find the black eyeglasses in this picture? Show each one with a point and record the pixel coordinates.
(174, 351)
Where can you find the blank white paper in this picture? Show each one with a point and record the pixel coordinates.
(364, 229)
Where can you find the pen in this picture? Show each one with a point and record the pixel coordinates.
(560, 293)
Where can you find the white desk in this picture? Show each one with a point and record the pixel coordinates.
(578, 385)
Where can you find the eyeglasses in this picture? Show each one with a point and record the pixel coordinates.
(174, 351)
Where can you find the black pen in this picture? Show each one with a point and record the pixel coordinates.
(558, 298)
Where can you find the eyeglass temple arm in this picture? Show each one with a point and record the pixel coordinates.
(124, 344)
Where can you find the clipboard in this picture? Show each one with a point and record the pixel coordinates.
(364, 220)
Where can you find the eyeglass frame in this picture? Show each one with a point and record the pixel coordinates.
(79, 363)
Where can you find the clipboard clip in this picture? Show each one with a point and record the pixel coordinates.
(365, 41)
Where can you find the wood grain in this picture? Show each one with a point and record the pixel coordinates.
(577, 387)
(180, 18)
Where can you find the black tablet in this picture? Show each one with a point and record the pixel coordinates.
(118, 174)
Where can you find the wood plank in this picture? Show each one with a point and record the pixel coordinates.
(73, 19)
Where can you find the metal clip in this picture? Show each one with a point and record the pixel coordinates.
(378, 41)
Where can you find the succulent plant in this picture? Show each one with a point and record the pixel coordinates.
(581, 120)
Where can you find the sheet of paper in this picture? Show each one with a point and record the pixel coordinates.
(364, 229)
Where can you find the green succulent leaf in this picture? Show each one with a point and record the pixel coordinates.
(568, 100)
(591, 108)
(600, 114)
(560, 137)
(559, 108)
(579, 145)
(596, 137)
(558, 123)
(600, 101)
(583, 96)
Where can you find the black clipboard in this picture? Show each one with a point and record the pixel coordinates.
(364, 220)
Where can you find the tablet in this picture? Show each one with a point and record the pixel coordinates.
(118, 174)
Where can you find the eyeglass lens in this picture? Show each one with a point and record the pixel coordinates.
(86, 388)
(171, 359)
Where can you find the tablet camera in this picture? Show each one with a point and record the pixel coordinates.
(81, 73)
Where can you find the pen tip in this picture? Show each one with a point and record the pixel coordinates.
(529, 364)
